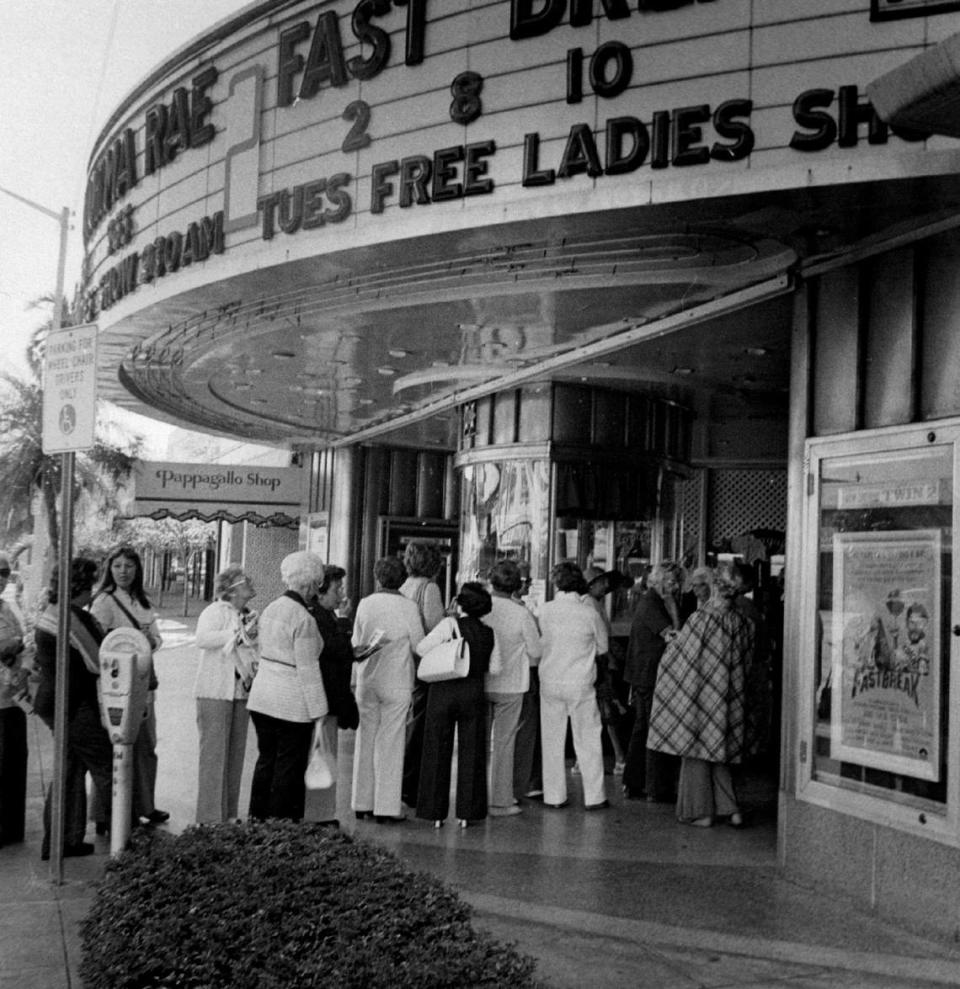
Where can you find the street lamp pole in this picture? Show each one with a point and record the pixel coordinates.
(67, 462)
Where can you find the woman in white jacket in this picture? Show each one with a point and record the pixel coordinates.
(384, 688)
(287, 697)
(226, 637)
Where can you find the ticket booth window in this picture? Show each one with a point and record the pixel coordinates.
(882, 616)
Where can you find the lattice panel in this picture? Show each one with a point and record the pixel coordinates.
(688, 499)
(745, 500)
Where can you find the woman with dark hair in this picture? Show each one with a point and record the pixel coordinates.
(422, 561)
(384, 687)
(458, 705)
(88, 745)
(336, 669)
(121, 602)
(226, 638)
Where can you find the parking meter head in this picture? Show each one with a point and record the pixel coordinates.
(126, 662)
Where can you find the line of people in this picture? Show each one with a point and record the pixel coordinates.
(529, 678)
(303, 666)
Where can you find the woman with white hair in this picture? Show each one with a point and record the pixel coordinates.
(699, 704)
(226, 637)
(287, 695)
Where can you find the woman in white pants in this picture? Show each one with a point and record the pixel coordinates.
(226, 636)
(573, 636)
(518, 640)
(384, 689)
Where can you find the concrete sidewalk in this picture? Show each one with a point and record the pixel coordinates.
(624, 897)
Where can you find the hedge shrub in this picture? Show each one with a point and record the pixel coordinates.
(277, 905)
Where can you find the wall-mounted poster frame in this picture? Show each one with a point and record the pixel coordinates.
(315, 533)
(886, 654)
(888, 10)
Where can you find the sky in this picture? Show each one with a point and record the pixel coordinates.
(64, 66)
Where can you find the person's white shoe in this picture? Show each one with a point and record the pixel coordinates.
(504, 811)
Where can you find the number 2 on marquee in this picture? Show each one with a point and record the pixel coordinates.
(357, 137)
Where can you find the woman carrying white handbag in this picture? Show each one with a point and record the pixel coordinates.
(458, 705)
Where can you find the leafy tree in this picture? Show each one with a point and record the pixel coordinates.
(185, 539)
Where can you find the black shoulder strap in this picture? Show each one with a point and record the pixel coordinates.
(133, 621)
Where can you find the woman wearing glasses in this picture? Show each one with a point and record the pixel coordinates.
(226, 637)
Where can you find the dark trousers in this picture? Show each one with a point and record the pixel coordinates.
(13, 774)
(413, 752)
(278, 789)
(646, 771)
(527, 758)
(454, 705)
(88, 751)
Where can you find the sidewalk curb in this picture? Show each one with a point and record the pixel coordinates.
(932, 970)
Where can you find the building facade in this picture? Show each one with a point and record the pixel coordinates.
(609, 281)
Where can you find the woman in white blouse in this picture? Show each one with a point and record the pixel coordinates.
(121, 602)
(384, 688)
(226, 637)
(287, 695)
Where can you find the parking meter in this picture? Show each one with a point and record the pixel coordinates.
(126, 661)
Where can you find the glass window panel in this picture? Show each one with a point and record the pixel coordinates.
(505, 515)
(884, 589)
(609, 545)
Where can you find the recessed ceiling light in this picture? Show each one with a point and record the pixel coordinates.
(364, 401)
(683, 371)
(352, 382)
(397, 352)
(387, 371)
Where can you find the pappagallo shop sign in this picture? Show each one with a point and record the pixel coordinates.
(311, 59)
(225, 492)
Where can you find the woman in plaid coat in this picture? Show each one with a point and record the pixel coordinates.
(699, 704)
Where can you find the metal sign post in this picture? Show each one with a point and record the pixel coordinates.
(69, 416)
